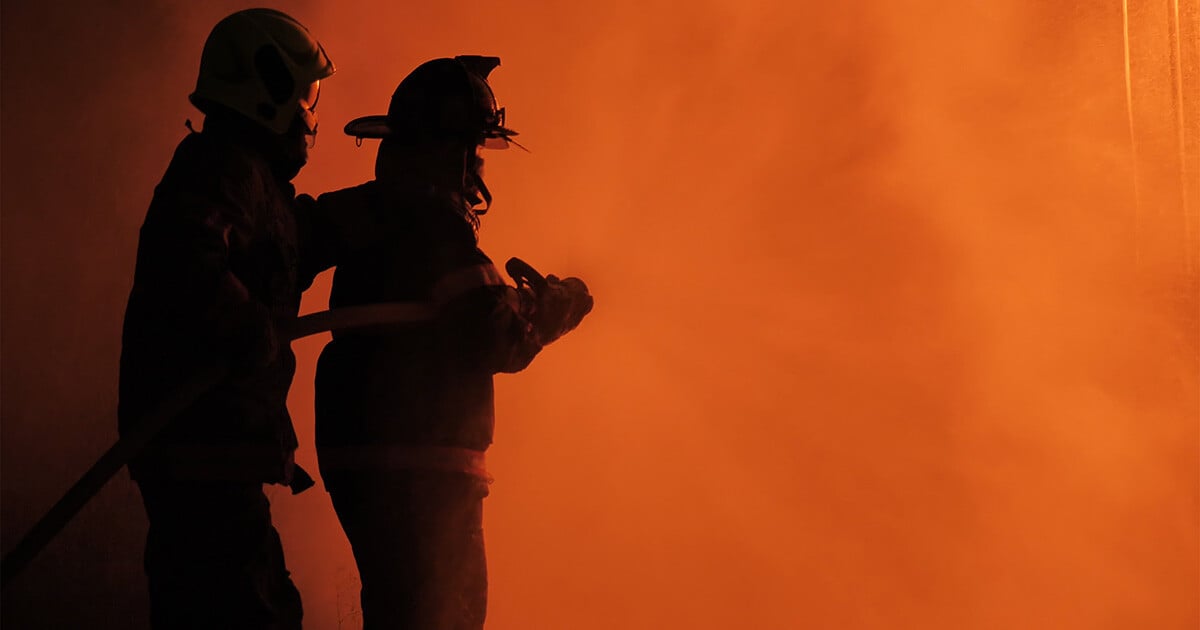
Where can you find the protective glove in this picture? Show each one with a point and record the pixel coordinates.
(559, 307)
(553, 306)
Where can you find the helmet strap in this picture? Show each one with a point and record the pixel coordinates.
(483, 192)
(471, 176)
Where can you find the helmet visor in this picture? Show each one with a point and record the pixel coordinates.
(307, 106)
(310, 96)
(495, 134)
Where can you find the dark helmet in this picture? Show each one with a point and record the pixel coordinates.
(442, 99)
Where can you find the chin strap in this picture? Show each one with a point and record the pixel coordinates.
(483, 192)
(472, 179)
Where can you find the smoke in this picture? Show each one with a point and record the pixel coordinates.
(893, 329)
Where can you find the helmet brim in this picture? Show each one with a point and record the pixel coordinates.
(378, 127)
(369, 127)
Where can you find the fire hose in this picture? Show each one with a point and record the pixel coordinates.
(208, 377)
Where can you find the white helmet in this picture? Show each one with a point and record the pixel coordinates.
(264, 65)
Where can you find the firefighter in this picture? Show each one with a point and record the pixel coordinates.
(218, 268)
(404, 412)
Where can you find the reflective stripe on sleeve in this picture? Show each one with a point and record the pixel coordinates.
(458, 282)
(446, 289)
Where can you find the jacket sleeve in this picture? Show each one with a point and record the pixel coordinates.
(196, 224)
(318, 236)
(332, 226)
(479, 321)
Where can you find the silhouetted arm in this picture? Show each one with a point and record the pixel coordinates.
(479, 320)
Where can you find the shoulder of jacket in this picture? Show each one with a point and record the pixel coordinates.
(211, 162)
(218, 154)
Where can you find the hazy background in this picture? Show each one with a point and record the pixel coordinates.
(896, 318)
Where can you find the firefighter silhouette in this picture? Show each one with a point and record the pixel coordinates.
(218, 269)
(404, 412)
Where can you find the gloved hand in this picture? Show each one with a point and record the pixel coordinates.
(559, 307)
(554, 307)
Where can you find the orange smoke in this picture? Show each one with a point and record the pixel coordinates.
(872, 346)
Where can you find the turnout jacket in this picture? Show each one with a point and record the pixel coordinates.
(218, 265)
(424, 383)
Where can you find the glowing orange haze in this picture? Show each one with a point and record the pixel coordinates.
(867, 352)
(880, 338)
